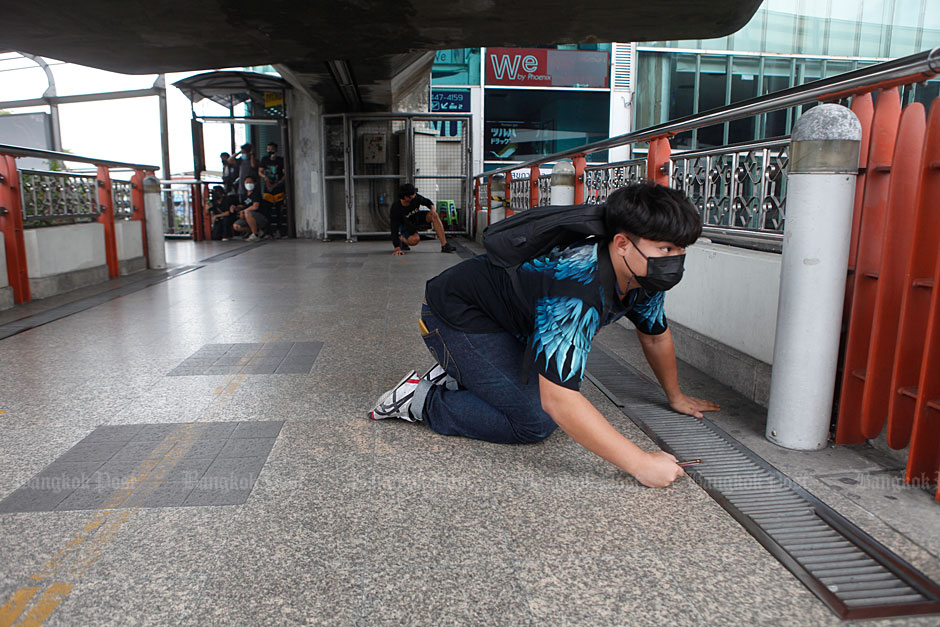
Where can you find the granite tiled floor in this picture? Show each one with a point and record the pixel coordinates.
(348, 521)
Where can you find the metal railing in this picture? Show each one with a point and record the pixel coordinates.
(600, 180)
(740, 190)
(49, 198)
(122, 197)
(736, 187)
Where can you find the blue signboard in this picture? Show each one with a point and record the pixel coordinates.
(450, 100)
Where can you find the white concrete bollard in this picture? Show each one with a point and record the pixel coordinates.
(153, 213)
(563, 183)
(824, 150)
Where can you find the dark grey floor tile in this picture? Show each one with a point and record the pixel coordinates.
(298, 368)
(259, 429)
(231, 360)
(204, 448)
(118, 433)
(138, 451)
(91, 452)
(27, 499)
(165, 494)
(64, 475)
(182, 470)
(118, 473)
(247, 447)
(307, 360)
(264, 360)
(306, 348)
(214, 430)
(222, 370)
(234, 468)
(154, 432)
(259, 369)
(93, 497)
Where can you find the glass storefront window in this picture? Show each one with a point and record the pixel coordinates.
(460, 66)
(523, 124)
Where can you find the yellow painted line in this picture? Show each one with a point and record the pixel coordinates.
(12, 609)
(46, 604)
(2, 411)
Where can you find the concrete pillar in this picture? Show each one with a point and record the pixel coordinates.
(824, 149)
(563, 179)
(153, 211)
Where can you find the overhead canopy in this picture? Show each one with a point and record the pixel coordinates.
(372, 39)
(229, 88)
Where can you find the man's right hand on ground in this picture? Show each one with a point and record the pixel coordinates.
(399, 251)
(658, 470)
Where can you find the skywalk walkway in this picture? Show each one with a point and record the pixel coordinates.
(253, 373)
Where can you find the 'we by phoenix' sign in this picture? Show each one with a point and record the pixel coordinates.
(540, 67)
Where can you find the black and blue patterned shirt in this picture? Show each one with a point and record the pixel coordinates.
(569, 295)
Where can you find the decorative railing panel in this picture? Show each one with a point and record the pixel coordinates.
(599, 181)
(545, 190)
(121, 194)
(51, 198)
(736, 187)
(519, 192)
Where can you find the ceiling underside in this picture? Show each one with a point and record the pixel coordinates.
(138, 37)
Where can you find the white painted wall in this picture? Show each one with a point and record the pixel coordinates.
(730, 295)
(130, 239)
(57, 249)
(4, 279)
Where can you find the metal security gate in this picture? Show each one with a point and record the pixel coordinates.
(366, 157)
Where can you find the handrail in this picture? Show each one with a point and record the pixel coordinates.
(22, 151)
(925, 64)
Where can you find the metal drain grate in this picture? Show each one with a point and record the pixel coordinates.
(851, 572)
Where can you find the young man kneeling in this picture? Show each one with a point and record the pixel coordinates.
(479, 326)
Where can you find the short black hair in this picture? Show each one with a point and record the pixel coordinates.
(250, 176)
(225, 154)
(655, 212)
(407, 190)
(272, 144)
(248, 146)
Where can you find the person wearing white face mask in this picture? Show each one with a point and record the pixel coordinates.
(250, 219)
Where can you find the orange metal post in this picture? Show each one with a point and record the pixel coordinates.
(106, 218)
(579, 165)
(534, 174)
(11, 226)
(864, 110)
(923, 459)
(508, 205)
(657, 161)
(917, 288)
(198, 212)
(206, 217)
(895, 257)
(489, 200)
(137, 202)
(871, 234)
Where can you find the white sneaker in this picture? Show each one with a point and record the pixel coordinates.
(253, 238)
(396, 403)
(435, 375)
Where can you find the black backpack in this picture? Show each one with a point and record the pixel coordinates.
(511, 242)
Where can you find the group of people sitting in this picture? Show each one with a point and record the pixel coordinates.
(251, 197)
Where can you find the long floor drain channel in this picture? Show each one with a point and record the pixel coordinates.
(851, 572)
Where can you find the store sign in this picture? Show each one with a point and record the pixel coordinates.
(450, 100)
(539, 67)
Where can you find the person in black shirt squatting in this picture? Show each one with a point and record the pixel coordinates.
(483, 329)
(407, 217)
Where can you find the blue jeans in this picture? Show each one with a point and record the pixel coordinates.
(490, 401)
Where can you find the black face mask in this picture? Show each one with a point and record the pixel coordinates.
(662, 273)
